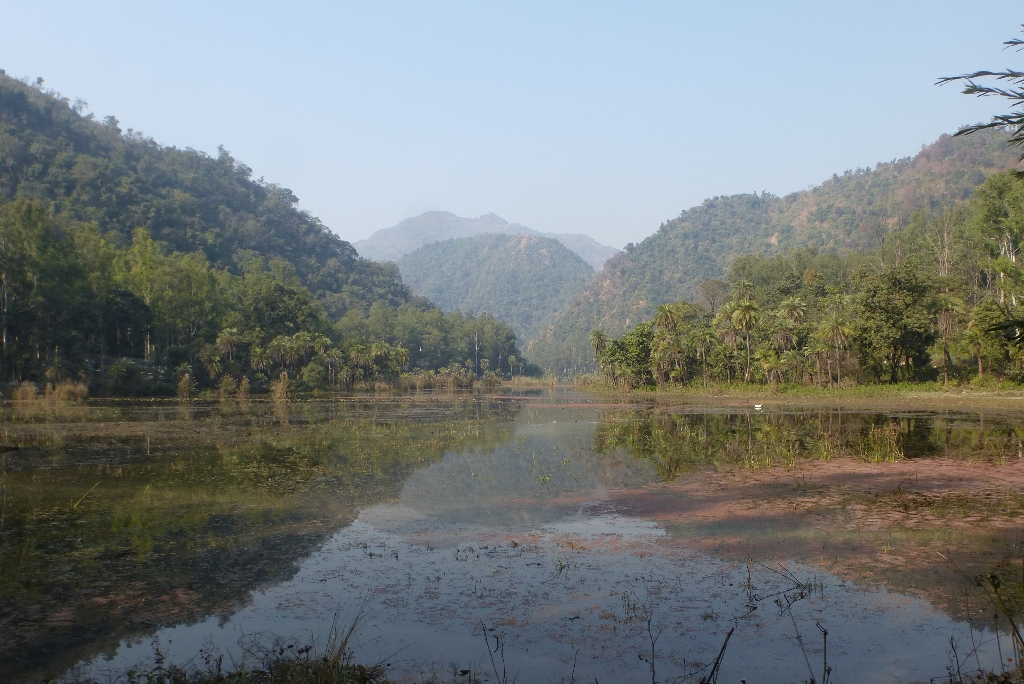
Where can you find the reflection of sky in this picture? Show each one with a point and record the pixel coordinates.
(547, 459)
(564, 588)
(519, 538)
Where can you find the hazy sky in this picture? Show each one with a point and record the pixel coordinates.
(595, 117)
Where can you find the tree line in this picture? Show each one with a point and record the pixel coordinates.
(937, 301)
(143, 319)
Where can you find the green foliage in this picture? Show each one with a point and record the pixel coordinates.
(523, 280)
(121, 260)
(93, 173)
(435, 340)
(865, 211)
(1007, 85)
(230, 498)
(936, 299)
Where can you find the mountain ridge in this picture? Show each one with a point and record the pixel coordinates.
(390, 244)
(855, 210)
(522, 279)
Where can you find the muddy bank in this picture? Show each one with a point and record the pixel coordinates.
(916, 525)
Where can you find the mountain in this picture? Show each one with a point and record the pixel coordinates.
(390, 244)
(91, 172)
(521, 279)
(144, 269)
(855, 210)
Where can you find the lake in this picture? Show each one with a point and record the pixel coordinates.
(553, 536)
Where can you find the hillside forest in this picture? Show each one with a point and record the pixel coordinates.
(131, 268)
(856, 212)
(522, 279)
(939, 300)
(127, 267)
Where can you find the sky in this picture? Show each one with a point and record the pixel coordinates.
(603, 118)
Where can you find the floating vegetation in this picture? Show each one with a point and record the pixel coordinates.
(117, 517)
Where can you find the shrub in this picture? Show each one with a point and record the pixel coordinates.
(26, 391)
(281, 389)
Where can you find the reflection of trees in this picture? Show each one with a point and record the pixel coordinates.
(189, 516)
(525, 480)
(679, 443)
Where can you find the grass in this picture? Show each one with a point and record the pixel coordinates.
(927, 392)
(279, 662)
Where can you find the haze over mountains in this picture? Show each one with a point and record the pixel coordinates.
(112, 239)
(93, 179)
(390, 244)
(522, 279)
(855, 210)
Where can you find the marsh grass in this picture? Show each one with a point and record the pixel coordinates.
(281, 389)
(65, 391)
(192, 508)
(264, 661)
(882, 445)
(1003, 591)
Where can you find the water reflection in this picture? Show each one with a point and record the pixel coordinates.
(548, 464)
(557, 523)
(680, 441)
(120, 518)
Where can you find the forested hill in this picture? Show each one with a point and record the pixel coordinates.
(523, 280)
(128, 267)
(91, 172)
(390, 244)
(855, 210)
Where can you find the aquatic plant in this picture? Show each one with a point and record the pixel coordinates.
(882, 445)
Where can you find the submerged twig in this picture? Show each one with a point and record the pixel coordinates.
(712, 677)
(75, 505)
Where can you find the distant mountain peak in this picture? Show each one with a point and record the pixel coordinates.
(523, 279)
(391, 244)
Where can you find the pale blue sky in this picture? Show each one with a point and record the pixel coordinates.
(594, 117)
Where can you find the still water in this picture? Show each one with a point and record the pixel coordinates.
(550, 536)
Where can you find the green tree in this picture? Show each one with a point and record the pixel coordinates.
(745, 316)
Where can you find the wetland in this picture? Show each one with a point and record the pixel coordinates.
(546, 536)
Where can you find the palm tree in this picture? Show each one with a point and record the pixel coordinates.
(793, 309)
(302, 342)
(280, 348)
(833, 331)
(259, 358)
(785, 333)
(667, 318)
(677, 350)
(837, 303)
(816, 348)
(321, 343)
(745, 316)
(511, 362)
(334, 357)
(947, 308)
(727, 331)
(974, 336)
(742, 291)
(361, 359)
(380, 355)
(769, 361)
(791, 360)
(209, 355)
(227, 341)
(703, 341)
(400, 357)
(661, 356)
